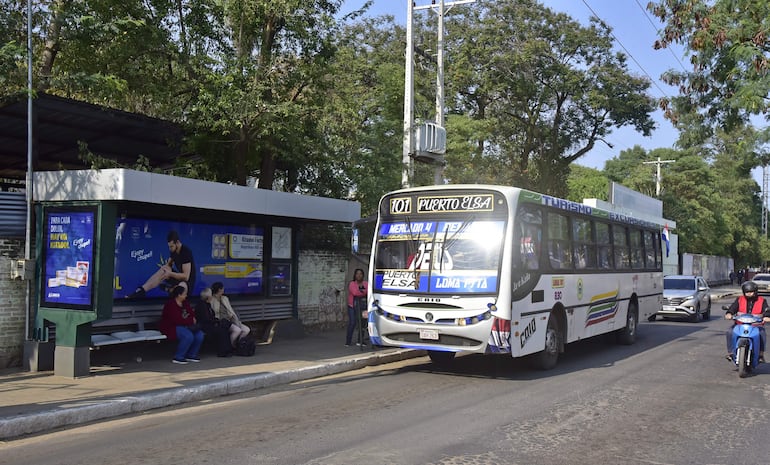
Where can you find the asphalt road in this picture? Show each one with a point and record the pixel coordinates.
(670, 398)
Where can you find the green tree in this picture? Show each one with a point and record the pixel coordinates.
(689, 198)
(262, 96)
(362, 115)
(630, 170)
(13, 53)
(587, 183)
(729, 49)
(550, 88)
(739, 206)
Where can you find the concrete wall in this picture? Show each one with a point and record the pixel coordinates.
(321, 297)
(12, 307)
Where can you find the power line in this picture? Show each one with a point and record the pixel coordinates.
(654, 81)
(658, 31)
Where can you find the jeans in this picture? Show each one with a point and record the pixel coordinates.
(354, 317)
(189, 343)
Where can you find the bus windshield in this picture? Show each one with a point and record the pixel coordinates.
(452, 257)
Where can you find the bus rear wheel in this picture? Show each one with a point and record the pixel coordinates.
(547, 359)
(627, 336)
(441, 358)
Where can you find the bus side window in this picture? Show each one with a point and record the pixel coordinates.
(531, 230)
(559, 250)
(637, 257)
(620, 244)
(649, 250)
(585, 248)
(604, 245)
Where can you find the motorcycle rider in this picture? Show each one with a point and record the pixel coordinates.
(749, 302)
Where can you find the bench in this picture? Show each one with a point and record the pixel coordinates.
(122, 337)
(127, 324)
(137, 322)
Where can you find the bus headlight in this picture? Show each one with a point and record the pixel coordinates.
(492, 307)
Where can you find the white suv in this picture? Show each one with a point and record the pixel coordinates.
(685, 297)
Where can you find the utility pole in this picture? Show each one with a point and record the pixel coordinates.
(409, 140)
(407, 171)
(658, 177)
(765, 183)
(28, 185)
(439, 169)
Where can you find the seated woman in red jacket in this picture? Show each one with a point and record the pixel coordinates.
(178, 322)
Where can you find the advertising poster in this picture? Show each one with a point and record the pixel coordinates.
(232, 255)
(69, 253)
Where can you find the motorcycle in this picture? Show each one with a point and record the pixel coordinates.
(745, 342)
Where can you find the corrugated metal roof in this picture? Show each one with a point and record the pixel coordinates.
(61, 123)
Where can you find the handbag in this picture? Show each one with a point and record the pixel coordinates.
(224, 323)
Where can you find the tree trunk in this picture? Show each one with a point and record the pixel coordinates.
(267, 170)
(241, 152)
(52, 43)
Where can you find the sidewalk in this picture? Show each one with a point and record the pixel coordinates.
(724, 291)
(138, 377)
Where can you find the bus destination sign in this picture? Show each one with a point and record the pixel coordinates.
(444, 203)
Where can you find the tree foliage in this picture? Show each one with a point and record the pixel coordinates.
(729, 49)
(587, 183)
(289, 93)
(720, 99)
(13, 37)
(548, 88)
(362, 114)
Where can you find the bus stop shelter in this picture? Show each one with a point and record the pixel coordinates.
(102, 232)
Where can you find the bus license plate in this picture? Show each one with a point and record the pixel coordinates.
(431, 334)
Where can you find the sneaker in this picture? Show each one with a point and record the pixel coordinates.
(347, 344)
(729, 357)
(180, 362)
(361, 344)
(193, 359)
(138, 293)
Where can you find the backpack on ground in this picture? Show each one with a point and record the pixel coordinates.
(246, 347)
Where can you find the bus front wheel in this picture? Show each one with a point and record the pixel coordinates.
(547, 359)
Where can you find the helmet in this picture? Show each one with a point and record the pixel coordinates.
(749, 286)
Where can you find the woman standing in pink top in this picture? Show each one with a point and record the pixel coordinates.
(357, 290)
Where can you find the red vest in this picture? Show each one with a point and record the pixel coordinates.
(756, 309)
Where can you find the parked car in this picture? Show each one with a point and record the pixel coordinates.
(685, 296)
(763, 282)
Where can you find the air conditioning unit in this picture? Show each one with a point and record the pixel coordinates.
(430, 143)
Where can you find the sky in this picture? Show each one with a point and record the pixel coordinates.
(635, 31)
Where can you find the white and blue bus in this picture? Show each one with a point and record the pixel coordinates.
(496, 269)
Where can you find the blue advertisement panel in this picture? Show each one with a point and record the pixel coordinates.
(68, 251)
(232, 255)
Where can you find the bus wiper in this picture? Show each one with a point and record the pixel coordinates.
(443, 249)
(410, 243)
(448, 242)
(412, 252)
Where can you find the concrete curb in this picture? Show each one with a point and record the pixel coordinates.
(21, 425)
